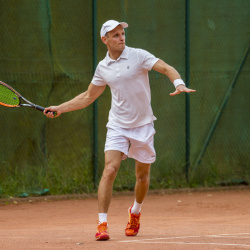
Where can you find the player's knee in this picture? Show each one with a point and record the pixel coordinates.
(143, 179)
(110, 171)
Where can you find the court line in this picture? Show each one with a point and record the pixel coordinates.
(241, 235)
(168, 238)
(230, 236)
(193, 243)
(184, 237)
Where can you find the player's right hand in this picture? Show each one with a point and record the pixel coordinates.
(52, 112)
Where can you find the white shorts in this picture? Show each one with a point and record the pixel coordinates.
(137, 143)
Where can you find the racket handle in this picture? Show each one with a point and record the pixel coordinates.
(40, 108)
(54, 113)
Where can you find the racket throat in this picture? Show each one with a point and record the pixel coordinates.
(37, 107)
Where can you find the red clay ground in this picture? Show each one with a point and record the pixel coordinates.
(182, 220)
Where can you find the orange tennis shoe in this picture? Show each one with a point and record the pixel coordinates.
(102, 232)
(133, 225)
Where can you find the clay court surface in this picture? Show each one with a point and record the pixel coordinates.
(210, 219)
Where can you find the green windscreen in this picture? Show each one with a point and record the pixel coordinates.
(48, 51)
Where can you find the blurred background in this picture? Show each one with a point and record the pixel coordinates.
(48, 52)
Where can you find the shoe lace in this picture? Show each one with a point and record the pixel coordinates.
(102, 227)
(134, 221)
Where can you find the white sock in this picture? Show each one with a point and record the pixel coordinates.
(136, 209)
(103, 217)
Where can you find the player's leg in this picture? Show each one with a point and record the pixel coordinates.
(112, 164)
(113, 160)
(142, 181)
(143, 151)
(141, 189)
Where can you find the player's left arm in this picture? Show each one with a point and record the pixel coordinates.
(173, 75)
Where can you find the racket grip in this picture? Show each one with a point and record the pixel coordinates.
(40, 108)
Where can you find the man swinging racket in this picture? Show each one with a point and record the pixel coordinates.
(130, 128)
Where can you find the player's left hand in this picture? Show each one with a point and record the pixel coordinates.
(182, 88)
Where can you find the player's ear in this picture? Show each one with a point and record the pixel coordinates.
(104, 40)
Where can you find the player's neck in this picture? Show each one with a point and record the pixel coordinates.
(114, 54)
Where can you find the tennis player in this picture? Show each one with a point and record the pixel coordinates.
(130, 127)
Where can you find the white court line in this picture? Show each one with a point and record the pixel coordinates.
(241, 235)
(193, 243)
(234, 234)
(229, 236)
(154, 240)
(168, 238)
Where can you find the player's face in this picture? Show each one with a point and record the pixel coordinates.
(116, 39)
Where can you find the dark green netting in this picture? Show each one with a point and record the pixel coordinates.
(46, 53)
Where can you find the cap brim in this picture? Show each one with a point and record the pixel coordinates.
(124, 25)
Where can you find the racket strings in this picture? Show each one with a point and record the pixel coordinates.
(8, 97)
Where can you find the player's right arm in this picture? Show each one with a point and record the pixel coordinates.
(79, 102)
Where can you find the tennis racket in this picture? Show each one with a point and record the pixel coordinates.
(12, 99)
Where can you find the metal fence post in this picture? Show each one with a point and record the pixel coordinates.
(95, 107)
(187, 103)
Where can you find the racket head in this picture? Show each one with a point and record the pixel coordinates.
(8, 96)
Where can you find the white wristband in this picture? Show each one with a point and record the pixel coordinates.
(178, 82)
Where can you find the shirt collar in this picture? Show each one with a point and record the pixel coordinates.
(124, 55)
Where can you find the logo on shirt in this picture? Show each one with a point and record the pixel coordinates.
(128, 67)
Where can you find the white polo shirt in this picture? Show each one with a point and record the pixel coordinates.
(128, 80)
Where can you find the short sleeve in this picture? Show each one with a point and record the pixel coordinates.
(146, 59)
(97, 78)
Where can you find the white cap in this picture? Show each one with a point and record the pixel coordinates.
(110, 25)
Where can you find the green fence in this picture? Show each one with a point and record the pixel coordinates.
(48, 52)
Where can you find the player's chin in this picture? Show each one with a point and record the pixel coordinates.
(121, 46)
